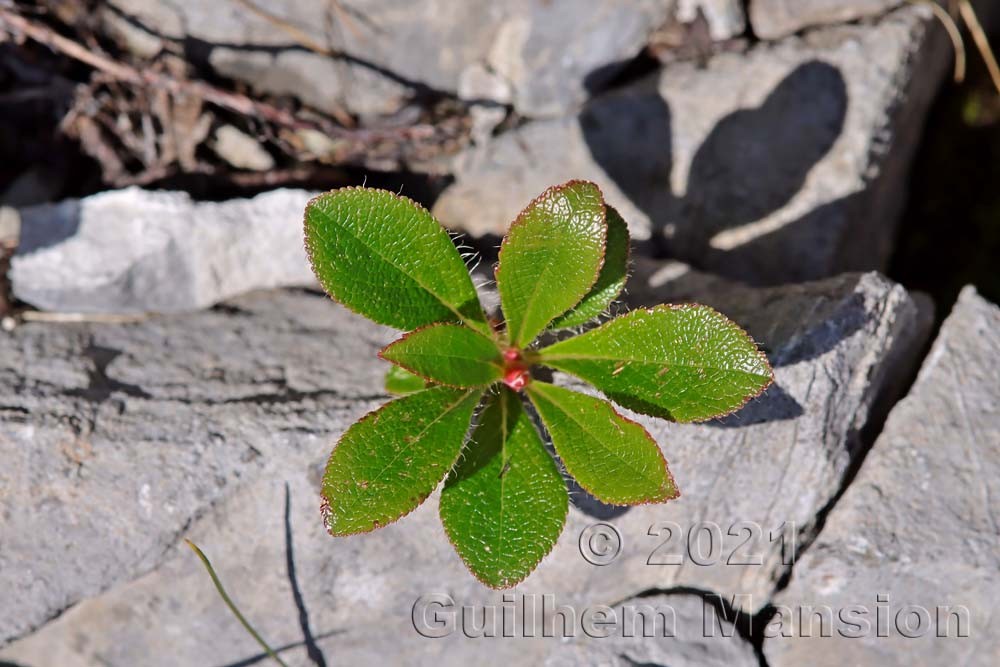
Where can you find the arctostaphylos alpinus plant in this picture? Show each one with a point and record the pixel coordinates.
(563, 262)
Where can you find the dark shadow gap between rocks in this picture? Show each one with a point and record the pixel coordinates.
(864, 439)
(746, 626)
(949, 235)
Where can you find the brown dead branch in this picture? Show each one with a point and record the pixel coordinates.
(241, 104)
(147, 121)
(235, 102)
(300, 36)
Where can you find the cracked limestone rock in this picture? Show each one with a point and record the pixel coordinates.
(752, 484)
(904, 571)
(697, 636)
(115, 438)
(135, 251)
(773, 19)
(384, 51)
(128, 437)
(783, 164)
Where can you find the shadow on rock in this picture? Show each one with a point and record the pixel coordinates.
(49, 229)
(751, 164)
(590, 505)
(629, 135)
(775, 404)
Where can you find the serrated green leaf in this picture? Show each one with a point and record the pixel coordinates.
(449, 354)
(550, 258)
(401, 381)
(504, 504)
(388, 259)
(610, 281)
(686, 363)
(612, 457)
(387, 463)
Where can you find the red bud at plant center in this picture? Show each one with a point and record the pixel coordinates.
(511, 355)
(516, 378)
(515, 373)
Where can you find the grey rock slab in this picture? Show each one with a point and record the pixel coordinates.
(909, 554)
(241, 150)
(115, 437)
(837, 346)
(696, 636)
(752, 484)
(135, 251)
(726, 18)
(772, 19)
(783, 164)
(360, 599)
(555, 51)
(386, 50)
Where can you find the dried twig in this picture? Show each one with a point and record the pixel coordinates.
(151, 114)
(235, 102)
(95, 145)
(953, 33)
(982, 42)
(300, 36)
(329, 176)
(303, 39)
(232, 101)
(76, 318)
(345, 17)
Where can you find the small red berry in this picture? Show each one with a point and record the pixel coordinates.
(510, 355)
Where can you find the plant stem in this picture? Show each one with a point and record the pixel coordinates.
(232, 605)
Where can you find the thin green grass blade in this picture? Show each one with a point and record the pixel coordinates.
(232, 605)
